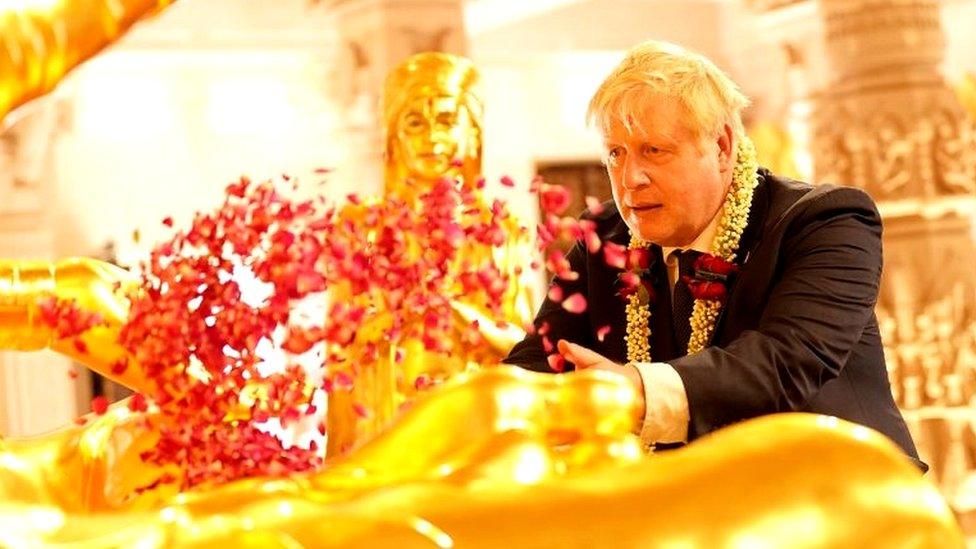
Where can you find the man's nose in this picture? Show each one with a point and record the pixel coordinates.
(634, 175)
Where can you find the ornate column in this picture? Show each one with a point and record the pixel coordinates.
(375, 36)
(888, 123)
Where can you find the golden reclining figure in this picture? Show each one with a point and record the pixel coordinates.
(505, 455)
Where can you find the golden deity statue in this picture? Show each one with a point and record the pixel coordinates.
(432, 121)
(432, 124)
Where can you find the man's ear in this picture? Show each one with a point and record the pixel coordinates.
(726, 148)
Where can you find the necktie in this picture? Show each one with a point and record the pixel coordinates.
(683, 301)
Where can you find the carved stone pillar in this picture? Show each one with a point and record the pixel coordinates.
(375, 36)
(888, 123)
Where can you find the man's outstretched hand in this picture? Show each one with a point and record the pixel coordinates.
(585, 359)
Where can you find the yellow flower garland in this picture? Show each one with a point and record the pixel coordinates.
(735, 217)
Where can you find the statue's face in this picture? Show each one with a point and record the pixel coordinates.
(431, 133)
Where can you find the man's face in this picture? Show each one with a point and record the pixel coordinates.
(667, 184)
(432, 132)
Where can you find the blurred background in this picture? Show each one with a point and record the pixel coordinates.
(878, 94)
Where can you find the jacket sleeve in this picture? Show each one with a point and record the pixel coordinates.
(530, 353)
(824, 296)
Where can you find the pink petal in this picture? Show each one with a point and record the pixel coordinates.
(615, 255)
(556, 293)
(507, 181)
(575, 303)
(601, 334)
(556, 362)
(593, 205)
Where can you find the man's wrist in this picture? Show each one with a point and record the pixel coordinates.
(633, 373)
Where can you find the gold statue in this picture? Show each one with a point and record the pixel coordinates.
(542, 459)
(432, 122)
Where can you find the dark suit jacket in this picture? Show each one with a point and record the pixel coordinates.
(798, 332)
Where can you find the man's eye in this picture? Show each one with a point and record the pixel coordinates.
(613, 154)
(652, 150)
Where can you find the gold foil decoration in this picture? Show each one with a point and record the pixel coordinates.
(44, 39)
(505, 456)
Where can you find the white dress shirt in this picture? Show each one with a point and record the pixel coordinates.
(666, 414)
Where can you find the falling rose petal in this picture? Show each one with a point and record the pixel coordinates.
(507, 181)
(547, 345)
(137, 403)
(615, 255)
(593, 242)
(168, 221)
(99, 405)
(361, 411)
(457, 163)
(119, 367)
(80, 346)
(554, 198)
(602, 332)
(343, 381)
(556, 293)
(422, 382)
(594, 206)
(575, 303)
(80, 421)
(556, 362)
(322, 170)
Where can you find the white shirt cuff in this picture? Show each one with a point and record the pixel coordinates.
(666, 417)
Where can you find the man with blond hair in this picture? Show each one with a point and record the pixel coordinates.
(722, 291)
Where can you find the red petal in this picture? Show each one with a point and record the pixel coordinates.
(601, 334)
(99, 405)
(137, 403)
(507, 181)
(554, 198)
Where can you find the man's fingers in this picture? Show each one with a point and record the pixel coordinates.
(578, 355)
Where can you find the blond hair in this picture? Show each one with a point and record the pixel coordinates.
(710, 98)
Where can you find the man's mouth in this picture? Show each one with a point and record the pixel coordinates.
(644, 207)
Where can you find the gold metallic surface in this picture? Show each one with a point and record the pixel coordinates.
(85, 469)
(95, 286)
(432, 121)
(432, 116)
(504, 456)
(44, 39)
